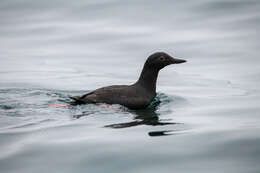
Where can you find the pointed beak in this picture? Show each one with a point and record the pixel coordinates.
(177, 61)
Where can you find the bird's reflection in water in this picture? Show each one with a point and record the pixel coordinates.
(149, 117)
(143, 117)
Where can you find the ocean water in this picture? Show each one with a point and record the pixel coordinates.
(205, 117)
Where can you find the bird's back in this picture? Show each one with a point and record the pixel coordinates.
(128, 95)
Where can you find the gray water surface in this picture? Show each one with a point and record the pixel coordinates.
(205, 117)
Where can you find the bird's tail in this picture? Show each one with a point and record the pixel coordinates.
(77, 99)
(82, 99)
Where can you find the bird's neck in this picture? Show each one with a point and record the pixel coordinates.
(148, 79)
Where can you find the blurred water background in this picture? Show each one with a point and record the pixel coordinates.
(205, 118)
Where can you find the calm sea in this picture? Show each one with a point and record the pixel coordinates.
(205, 118)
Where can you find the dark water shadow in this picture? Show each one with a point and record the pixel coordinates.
(142, 117)
(149, 117)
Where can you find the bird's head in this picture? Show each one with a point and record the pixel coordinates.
(159, 60)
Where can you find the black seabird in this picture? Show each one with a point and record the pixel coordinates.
(138, 95)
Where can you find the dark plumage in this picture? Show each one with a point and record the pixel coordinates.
(138, 95)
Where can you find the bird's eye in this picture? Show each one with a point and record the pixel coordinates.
(162, 58)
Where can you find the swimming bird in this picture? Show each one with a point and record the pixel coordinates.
(138, 95)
